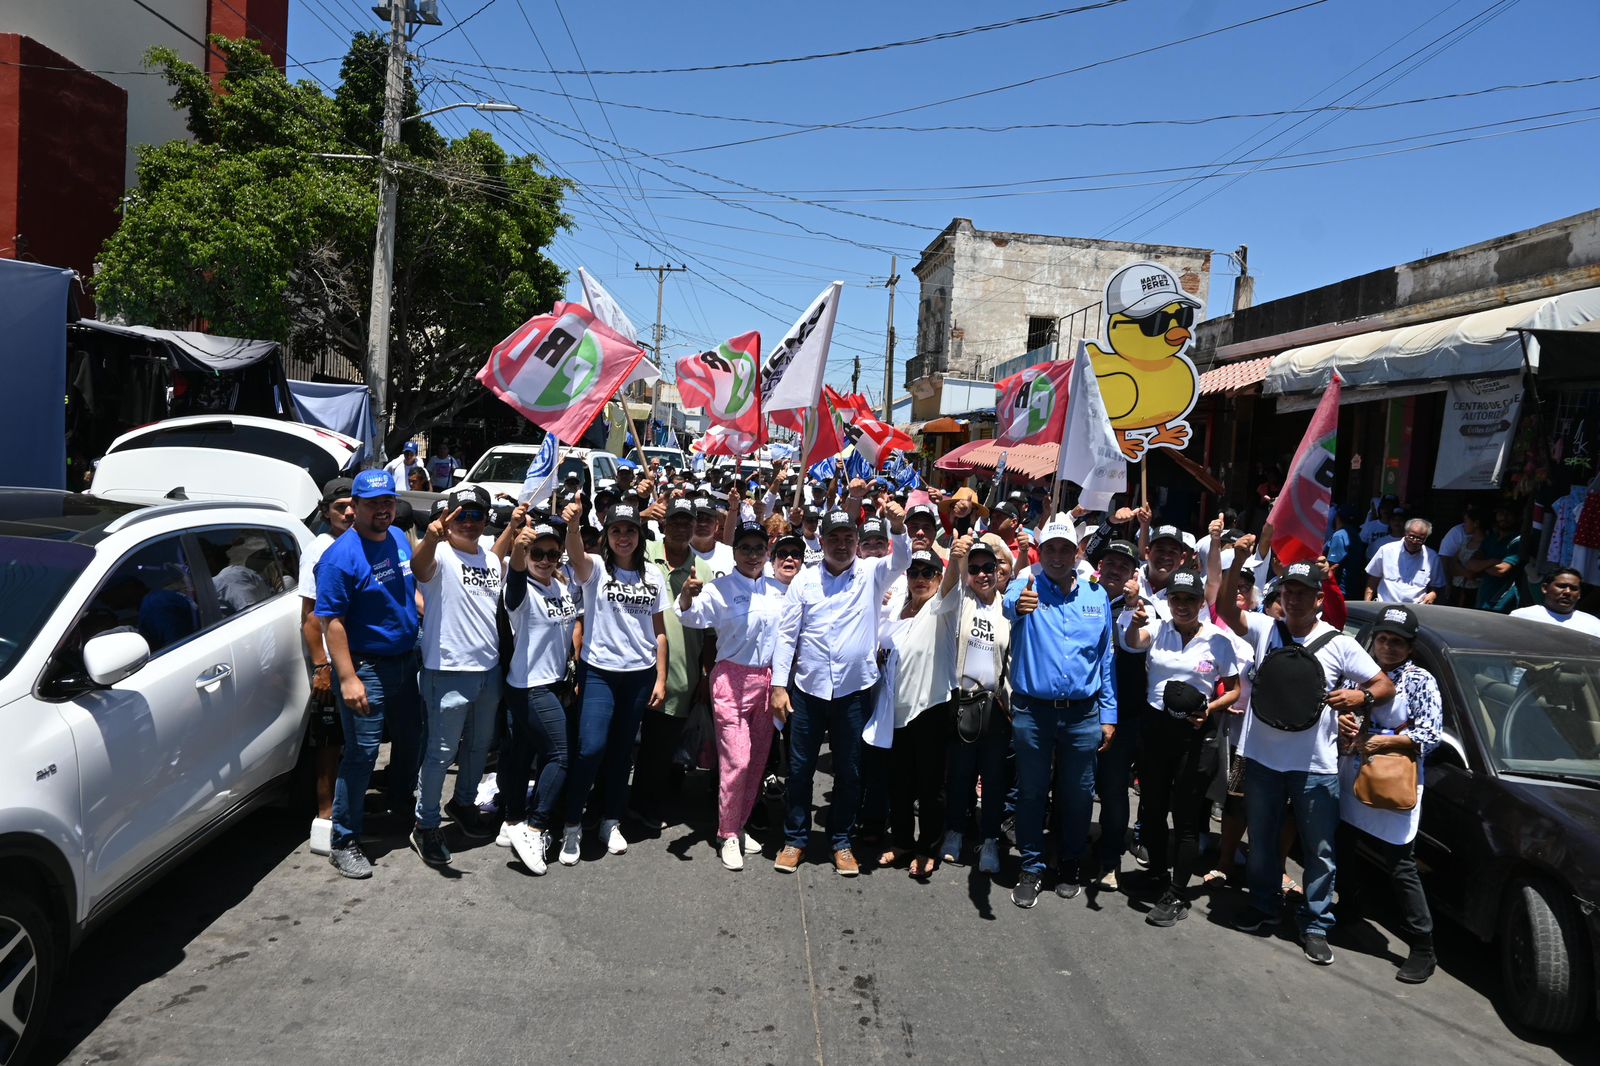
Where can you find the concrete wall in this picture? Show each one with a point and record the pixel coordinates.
(979, 288)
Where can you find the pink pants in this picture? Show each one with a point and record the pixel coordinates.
(741, 698)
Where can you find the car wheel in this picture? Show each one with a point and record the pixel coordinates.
(1542, 960)
(29, 964)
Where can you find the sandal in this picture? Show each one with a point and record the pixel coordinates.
(893, 857)
(923, 866)
(1292, 887)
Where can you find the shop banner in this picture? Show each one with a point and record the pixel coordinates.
(1480, 418)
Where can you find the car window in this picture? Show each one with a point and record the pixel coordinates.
(1537, 715)
(501, 466)
(247, 566)
(151, 591)
(574, 465)
(605, 467)
(34, 575)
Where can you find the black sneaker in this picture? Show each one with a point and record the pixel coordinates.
(429, 843)
(1251, 920)
(1026, 894)
(1141, 855)
(469, 820)
(1168, 912)
(1069, 884)
(1317, 950)
(1418, 967)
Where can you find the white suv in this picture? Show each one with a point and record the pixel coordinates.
(153, 689)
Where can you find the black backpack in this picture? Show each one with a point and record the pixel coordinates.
(1290, 684)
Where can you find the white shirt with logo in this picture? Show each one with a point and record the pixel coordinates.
(1200, 662)
(542, 626)
(1345, 664)
(744, 613)
(618, 611)
(459, 604)
(1405, 577)
(977, 668)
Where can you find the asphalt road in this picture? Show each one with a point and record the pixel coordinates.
(256, 952)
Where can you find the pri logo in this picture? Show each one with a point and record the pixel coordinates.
(574, 359)
(1040, 404)
(736, 376)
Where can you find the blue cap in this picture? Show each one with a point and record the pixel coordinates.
(410, 448)
(373, 484)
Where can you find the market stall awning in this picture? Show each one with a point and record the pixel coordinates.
(944, 425)
(193, 351)
(1567, 354)
(1031, 461)
(1479, 344)
(1230, 378)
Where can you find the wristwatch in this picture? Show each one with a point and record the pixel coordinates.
(1368, 698)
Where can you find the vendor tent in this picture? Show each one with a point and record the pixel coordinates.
(342, 408)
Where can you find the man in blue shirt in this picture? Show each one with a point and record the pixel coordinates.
(1064, 704)
(367, 603)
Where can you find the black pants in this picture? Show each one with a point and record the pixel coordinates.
(916, 781)
(656, 779)
(1399, 863)
(1176, 763)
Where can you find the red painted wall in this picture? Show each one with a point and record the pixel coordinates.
(63, 140)
(264, 21)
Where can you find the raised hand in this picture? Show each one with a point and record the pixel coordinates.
(959, 550)
(439, 528)
(1028, 602)
(1216, 527)
(896, 515)
(692, 587)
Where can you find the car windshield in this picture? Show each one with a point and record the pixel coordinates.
(34, 575)
(501, 466)
(667, 456)
(1538, 715)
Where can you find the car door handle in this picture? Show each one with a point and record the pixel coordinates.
(215, 674)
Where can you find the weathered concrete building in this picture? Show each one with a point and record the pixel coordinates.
(989, 298)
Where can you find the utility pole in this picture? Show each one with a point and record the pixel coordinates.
(1244, 286)
(394, 98)
(855, 377)
(888, 359)
(661, 273)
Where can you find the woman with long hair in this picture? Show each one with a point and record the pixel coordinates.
(625, 667)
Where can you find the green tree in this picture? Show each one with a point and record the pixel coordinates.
(250, 230)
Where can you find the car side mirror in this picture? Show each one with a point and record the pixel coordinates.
(1457, 750)
(457, 474)
(110, 657)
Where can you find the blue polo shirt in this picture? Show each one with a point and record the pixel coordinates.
(1064, 650)
(369, 585)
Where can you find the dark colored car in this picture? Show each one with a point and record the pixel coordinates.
(1510, 838)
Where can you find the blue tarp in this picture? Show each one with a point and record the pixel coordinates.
(33, 321)
(342, 408)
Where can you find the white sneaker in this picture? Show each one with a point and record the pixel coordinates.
(951, 848)
(504, 838)
(571, 845)
(321, 842)
(752, 846)
(989, 857)
(529, 844)
(611, 833)
(732, 853)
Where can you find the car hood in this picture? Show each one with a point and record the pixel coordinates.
(153, 475)
(1578, 805)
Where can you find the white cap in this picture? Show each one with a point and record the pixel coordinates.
(1058, 528)
(1139, 289)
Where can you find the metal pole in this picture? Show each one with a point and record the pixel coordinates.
(389, 195)
(888, 358)
(661, 273)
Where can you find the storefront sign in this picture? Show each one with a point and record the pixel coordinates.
(1480, 418)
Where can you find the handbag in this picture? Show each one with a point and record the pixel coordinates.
(1388, 781)
(975, 717)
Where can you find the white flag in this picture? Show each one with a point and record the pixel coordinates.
(791, 376)
(1090, 455)
(605, 308)
(540, 482)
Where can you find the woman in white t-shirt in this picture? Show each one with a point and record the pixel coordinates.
(1193, 676)
(459, 580)
(623, 667)
(543, 614)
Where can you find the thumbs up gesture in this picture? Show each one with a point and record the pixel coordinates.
(692, 587)
(1028, 602)
(1215, 528)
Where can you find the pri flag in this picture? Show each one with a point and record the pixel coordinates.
(1032, 405)
(722, 440)
(1090, 454)
(727, 383)
(849, 407)
(540, 482)
(791, 377)
(1300, 517)
(607, 310)
(559, 370)
(823, 436)
(877, 440)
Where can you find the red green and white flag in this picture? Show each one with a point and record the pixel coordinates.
(823, 434)
(560, 370)
(727, 383)
(1300, 516)
(1032, 404)
(723, 440)
(849, 407)
(876, 440)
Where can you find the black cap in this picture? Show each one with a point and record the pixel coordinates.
(1185, 583)
(1122, 547)
(547, 529)
(624, 512)
(680, 508)
(750, 529)
(837, 519)
(1006, 507)
(1398, 619)
(467, 496)
(337, 489)
(875, 527)
(1302, 574)
(924, 510)
(813, 512)
(926, 558)
(1166, 533)
(790, 540)
(705, 505)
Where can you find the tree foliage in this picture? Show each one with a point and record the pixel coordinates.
(248, 231)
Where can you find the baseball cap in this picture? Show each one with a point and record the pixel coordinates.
(410, 448)
(1058, 528)
(837, 520)
(925, 558)
(995, 547)
(623, 512)
(707, 506)
(545, 529)
(372, 485)
(875, 527)
(1122, 547)
(336, 489)
(812, 512)
(1185, 583)
(605, 485)
(1139, 289)
(1397, 619)
(1302, 574)
(923, 510)
(789, 540)
(1166, 533)
(468, 495)
(750, 529)
(680, 508)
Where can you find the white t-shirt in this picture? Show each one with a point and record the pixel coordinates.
(458, 619)
(1403, 576)
(813, 550)
(1316, 750)
(308, 577)
(1577, 621)
(977, 669)
(618, 631)
(1450, 546)
(1201, 661)
(542, 625)
(719, 558)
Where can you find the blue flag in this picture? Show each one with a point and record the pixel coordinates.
(824, 470)
(901, 473)
(856, 466)
(539, 484)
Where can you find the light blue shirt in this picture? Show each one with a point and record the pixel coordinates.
(828, 632)
(1064, 649)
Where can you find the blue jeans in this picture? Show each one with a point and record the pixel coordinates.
(1064, 739)
(613, 706)
(461, 707)
(391, 682)
(536, 745)
(1113, 776)
(1315, 799)
(841, 720)
(966, 762)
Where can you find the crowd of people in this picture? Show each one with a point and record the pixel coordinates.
(981, 675)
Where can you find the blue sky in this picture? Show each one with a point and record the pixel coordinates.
(758, 257)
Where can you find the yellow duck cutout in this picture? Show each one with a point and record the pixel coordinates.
(1146, 379)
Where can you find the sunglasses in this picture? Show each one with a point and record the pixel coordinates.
(922, 573)
(1158, 322)
(470, 516)
(545, 556)
(982, 568)
(789, 553)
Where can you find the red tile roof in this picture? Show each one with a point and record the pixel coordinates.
(1234, 377)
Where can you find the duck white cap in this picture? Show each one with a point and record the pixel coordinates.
(1139, 289)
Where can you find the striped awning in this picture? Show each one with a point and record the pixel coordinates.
(1231, 378)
